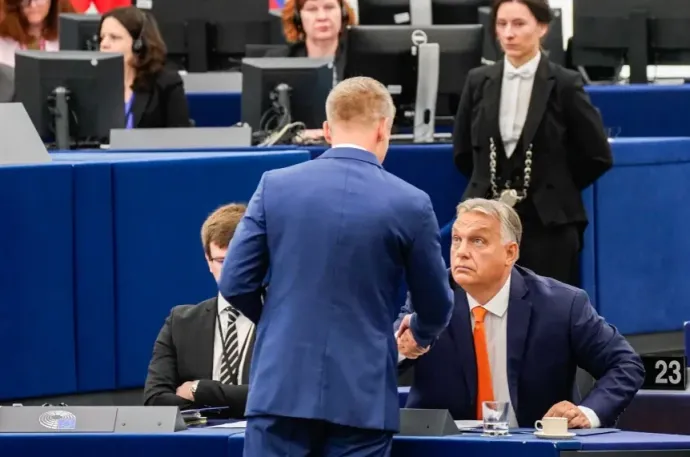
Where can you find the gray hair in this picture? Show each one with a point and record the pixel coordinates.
(511, 226)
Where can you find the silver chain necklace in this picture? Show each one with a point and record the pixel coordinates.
(509, 196)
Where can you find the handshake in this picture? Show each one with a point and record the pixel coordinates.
(407, 346)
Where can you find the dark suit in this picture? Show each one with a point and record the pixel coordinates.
(552, 329)
(6, 83)
(162, 104)
(300, 50)
(184, 352)
(338, 232)
(570, 148)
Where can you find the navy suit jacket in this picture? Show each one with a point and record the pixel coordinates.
(552, 329)
(338, 233)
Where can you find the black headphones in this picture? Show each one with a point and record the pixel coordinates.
(139, 44)
(297, 20)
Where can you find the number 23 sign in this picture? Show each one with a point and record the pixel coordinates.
(665, 372)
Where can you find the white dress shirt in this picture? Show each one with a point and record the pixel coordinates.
(496, 327)
(516, 92)
(244, 329)
(349, 145)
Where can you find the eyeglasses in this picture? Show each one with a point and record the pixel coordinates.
(28, 3)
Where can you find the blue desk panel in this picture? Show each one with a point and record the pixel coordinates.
(230, 443)
(627, 110)
(158, 207)
(94, 262)
(215, 110)
(635, 441)
(642, 215)
(36, 281)
(181, 444)
(645, 110)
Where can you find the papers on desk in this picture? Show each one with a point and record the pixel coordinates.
(239, 424)
(467, 425)
(593, 431)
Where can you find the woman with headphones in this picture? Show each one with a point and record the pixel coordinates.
(314, 28)
(154, 95)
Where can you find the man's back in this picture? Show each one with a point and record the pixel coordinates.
(339, 231)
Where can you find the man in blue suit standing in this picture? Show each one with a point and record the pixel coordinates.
(535, 332)
(338, 233)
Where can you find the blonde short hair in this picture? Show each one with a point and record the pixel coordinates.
(511, 226)
(359, 100)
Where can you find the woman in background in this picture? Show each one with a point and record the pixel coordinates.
(315, 29)
(526, 133)
(30, 24)
(154, 96)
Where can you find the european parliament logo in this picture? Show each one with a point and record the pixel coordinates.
(58, 420)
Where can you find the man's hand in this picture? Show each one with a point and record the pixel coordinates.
(407, 346)
(576, 418)
(185, 391)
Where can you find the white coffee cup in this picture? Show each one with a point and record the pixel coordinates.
(552, 426)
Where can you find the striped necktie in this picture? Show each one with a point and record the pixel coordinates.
(231, 350)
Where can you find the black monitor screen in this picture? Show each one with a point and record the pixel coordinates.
(384, 53)
(79, 32)
(95, 91)
(308, 81)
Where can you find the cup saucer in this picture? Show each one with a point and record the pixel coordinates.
(559, 436)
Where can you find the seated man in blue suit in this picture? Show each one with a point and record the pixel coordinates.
(536, 332)
(338, 233)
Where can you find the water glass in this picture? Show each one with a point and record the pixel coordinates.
(495, 414)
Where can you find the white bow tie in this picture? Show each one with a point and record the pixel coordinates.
(520, 73)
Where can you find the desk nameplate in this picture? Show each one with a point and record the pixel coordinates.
(90, 419)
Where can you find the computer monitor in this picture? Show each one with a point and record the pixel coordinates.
(610, 33)
(390, 54)
(74, 97)
(277, 91)
(79, 32)
(203, 36)
(401, 12)
(552, 42)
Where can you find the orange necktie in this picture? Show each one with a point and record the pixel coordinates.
(485, 390)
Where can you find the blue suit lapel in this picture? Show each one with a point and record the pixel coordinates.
(519, 314)
(460, 329)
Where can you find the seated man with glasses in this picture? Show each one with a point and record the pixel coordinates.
(202, 355)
